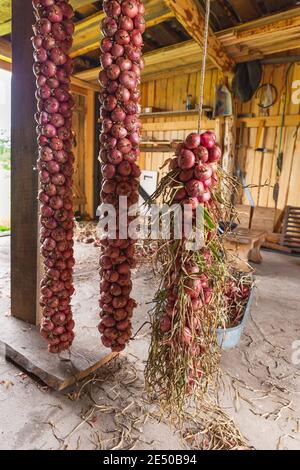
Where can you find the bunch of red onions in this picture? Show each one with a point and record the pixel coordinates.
(53, 67)
(236, 297)
(197, 159)
(121, 60)
(183, 321)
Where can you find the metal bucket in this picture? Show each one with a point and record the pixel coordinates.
(229, 338)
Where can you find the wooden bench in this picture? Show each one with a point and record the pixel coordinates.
(244, 245)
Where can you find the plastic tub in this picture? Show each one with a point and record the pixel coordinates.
(229, 338)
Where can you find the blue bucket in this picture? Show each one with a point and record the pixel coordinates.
(229, 338)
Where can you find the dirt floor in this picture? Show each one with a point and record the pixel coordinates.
(261, 378)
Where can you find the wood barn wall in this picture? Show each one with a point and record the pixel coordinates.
(169, 93)
(261, 169)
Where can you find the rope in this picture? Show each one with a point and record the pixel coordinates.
(203, 68)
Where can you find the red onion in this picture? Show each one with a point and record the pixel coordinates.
(186, 160)
(126, 23)
(121, 53)
(136, 38)
(215, 154)
(124, 64)
(109, 27)
(128, 79)
(122, 37)
(117, 51)
(203, 172)
(53, 68)
(118, 114)
(130, 8)
(208, 140)
(192, 141)
(140, 23)
(106, 45)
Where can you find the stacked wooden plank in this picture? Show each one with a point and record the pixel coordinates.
(291, 229)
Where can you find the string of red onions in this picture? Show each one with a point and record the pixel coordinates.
(121, 60)
(53, 67)
(183, 353)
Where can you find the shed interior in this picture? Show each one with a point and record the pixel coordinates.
(260, 145)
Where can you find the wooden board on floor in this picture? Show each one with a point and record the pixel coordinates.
(22, 344)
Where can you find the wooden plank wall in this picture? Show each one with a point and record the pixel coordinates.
(169, 94)
(84, 128)
(261, 169)
(165, 128)
(79, 118)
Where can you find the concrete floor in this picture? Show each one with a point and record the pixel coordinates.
(261, 385)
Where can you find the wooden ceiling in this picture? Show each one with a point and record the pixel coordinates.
(240, 30)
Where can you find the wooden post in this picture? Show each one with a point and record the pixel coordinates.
(89, 157)
(24, 204)
(97, 170)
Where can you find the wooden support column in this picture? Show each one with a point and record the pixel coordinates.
(97, 168)
(24, 204)
(89, 157)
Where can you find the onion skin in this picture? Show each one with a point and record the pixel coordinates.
(120, 97)
(52, 42)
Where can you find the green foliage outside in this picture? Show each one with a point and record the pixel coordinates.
(4, 151)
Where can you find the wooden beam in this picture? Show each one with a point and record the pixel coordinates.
(5, 17)
(23, 345)
(166, 57)
(262, 37)
(179, 125)
(87, 34)
(24, 176)
(5, 65)
(193, 67)
(5, 13)
(5, 50)
(87, 31)
(260, 22)
(189, 15)
(261, 33)
(76, 82)
(80, 3)
(292, 120)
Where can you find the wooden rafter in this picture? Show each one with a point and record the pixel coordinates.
(5, 17)
(188, 13)
(5, 13)
(80, 3)
(262, 28)
(87, 31)
(5, 50)
(159, 59)
(256, 39)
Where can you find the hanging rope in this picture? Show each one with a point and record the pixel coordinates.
(203, 68)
